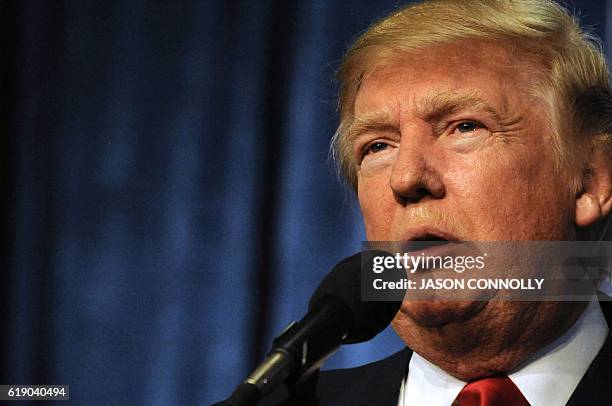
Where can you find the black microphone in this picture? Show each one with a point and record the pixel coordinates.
(336, 316)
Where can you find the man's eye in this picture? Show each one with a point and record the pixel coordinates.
(376, 147)
(468, 126)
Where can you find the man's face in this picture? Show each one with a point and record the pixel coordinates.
(455, 147)
(452, 146)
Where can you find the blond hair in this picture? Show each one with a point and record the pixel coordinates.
(572, 80)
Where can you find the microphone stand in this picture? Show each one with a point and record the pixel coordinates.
(302, 394)
(297, 355)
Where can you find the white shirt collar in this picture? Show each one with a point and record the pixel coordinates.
(549, 378)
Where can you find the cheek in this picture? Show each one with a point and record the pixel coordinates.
(373, 198)
(517, 197)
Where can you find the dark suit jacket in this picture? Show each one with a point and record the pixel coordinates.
(379, 383)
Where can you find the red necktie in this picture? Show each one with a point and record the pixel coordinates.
(494, 391)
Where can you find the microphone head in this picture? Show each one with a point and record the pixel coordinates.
(343, 284)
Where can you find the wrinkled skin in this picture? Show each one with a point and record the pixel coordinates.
(451, 143)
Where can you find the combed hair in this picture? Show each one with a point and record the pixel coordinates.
(572, 78)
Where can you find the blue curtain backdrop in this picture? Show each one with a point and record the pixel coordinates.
(169, 203)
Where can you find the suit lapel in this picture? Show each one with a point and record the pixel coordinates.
(372, 384)
(391, 376)
(593, 388)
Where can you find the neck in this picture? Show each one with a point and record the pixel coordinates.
(495, 337)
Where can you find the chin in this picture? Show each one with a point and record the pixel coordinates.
(440, 313)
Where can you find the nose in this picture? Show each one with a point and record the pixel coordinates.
(414, 176)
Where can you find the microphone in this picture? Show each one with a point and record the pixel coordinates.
(336, 316)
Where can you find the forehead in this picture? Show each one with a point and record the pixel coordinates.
(469, 71)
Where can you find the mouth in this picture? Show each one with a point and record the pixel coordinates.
(428, 241)
(430, 244)
(426, 236)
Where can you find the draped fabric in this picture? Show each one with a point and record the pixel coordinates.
(169, 201)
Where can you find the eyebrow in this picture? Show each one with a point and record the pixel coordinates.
(378, 121)
(433, 107)
(437, 105)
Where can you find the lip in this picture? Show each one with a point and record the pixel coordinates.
(429, 240)
(444, 249)
(428, 233)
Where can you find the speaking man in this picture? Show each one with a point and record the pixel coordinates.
(480, 121)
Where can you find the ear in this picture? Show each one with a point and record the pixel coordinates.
(594, 201)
